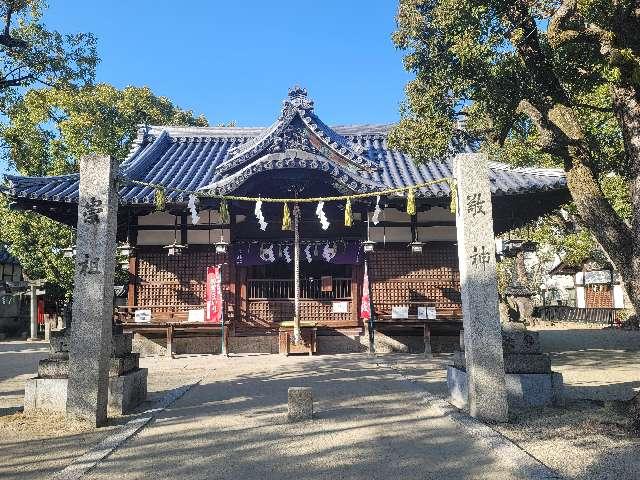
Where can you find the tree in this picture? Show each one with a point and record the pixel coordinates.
(557, 79)
(48, 131)
(30, 53)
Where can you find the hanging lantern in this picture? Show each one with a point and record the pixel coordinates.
(416, 246)
(368, 246)
(221, 245)
(175, 248)
(125, 250)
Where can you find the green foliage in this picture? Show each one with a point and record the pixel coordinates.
(48, 131)
(476, 60)
(30, 53)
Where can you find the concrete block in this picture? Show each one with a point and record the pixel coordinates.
(53, 368)
(49, 394)
(121, 365)
(520, 341)
(121, 344)
(127, 391)
(300, 400)
(523, 390)
(527, 363)
(458, 387)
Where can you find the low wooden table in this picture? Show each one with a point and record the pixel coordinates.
(414, 321)
(308, 344)
(171, 327)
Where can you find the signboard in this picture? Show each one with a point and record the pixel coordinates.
(142, 316)
(426, 313)
(214, 295)
(340, 307)
(196, 315)
(326, 283)
(400, 311)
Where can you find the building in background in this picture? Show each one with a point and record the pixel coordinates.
(14, 305)
(412, 259)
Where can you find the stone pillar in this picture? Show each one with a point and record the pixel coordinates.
(479, 287)
(90, 345)
(34, 312)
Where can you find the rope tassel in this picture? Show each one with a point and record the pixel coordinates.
(348, 217)
(286, 218)
(411, 202)
(160, 199)
(224, 212)
(453, 187)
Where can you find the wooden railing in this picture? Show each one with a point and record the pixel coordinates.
(560, 313)
(272, 289)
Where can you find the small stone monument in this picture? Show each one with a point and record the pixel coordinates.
(127, 382)
(479, 288)
(300, 403)
(529, 379)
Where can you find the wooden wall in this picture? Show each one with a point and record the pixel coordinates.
(397, 277)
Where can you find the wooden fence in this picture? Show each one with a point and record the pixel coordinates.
(559, 313)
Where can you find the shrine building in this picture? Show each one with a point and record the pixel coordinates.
(411, 260)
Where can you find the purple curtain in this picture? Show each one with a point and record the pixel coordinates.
(265, 253)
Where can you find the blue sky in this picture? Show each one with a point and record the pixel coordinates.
(235, 60)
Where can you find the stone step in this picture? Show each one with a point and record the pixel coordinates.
(59, 368)
(53, 368)
(122, 344)
(521, 342)
(527, 363)
(59, 341)
(121, 365)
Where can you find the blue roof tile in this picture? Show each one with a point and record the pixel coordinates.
(190, 158)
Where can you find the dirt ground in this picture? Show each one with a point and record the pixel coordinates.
(588, 438)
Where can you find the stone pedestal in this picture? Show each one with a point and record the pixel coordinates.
(127, 386)
(300, 403)
(528, 376)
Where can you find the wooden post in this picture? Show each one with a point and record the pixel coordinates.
(170, 341)
(427, 340)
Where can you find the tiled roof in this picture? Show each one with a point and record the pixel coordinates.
(190, 158)
(6, 258)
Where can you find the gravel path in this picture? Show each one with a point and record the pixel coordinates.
(370, 424)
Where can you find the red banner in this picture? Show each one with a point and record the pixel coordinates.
(214, 295)
(365, 304)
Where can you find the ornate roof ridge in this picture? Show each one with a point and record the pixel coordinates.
(357, 130)
(547, 172)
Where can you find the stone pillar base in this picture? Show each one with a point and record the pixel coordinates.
(126, 392)
(523, 389)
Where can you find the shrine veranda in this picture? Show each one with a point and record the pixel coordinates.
(413, 263)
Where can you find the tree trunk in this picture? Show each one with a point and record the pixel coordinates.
(608, 228)
(626, 106)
